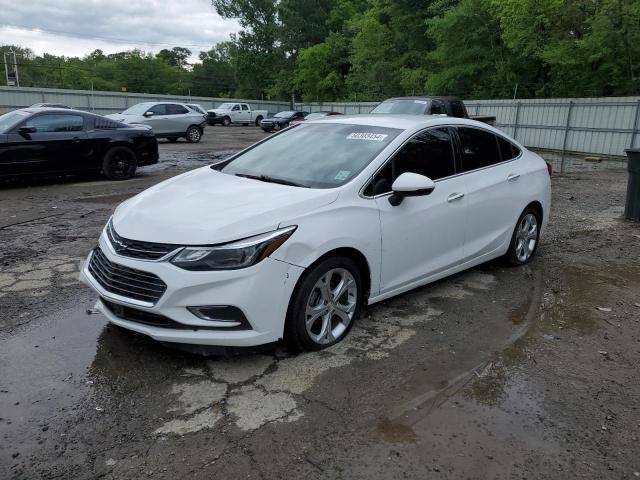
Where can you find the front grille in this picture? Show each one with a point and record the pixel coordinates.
(145, 318)
(136, 248)
(125, 281)
(155, 320)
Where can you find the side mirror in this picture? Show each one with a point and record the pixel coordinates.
(410, 185)
(148, 114)
(26, 131)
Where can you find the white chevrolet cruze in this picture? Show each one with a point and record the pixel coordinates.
(294, 235)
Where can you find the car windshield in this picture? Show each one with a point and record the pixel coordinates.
(11, 119)
(283, 114)
(316, 155)
(226, 106)
(138, 109)
(411, 107)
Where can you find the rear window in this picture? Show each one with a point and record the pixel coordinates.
(507, 149)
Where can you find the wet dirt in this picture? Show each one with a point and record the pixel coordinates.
(493, 373)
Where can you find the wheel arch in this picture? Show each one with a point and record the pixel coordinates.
(537, 206)
(357, 257)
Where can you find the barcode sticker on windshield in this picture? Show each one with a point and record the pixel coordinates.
(376, 137)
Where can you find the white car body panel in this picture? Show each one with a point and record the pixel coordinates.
(423, 239)
(163, 124)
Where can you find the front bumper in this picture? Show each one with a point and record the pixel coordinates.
(262, 292)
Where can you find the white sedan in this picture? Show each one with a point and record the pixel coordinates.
(293, 236)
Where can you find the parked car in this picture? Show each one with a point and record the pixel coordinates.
(49, 105)
(167, 119)
(196, 107)
(282, 120)
(232, 112)
(63, 141)
(313, 116)
(449, 106)
(312, 224)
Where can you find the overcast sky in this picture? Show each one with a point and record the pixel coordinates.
(77, 27)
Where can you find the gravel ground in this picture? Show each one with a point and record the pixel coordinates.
(498, 372)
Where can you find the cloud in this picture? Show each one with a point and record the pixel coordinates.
(77, 27)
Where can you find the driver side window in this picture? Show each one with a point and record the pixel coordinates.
(48, 123)
(428, 153)
(160, 109)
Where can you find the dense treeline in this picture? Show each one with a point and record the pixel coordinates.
(321, 50)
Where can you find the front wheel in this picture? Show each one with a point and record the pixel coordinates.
(324, 305)
(194, 134)
(226, 121)
(119, 163)
(524, 240)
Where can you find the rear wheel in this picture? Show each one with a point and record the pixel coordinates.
(226, 121)
(119, 163)
(524, 240)
(258, 120)
(194, 134)
(324, 305)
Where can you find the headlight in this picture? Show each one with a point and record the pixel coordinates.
(234, 255)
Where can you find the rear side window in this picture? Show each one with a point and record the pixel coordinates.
(245, 106)
(437, 108)
(429, 153)
(173, 109)
(507, 149)
(56, 123)
(479, 148)
(457, 109)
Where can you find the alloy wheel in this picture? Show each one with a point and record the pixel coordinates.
(526, 237)
(331, 306)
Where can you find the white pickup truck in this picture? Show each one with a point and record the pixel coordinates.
(230, 112)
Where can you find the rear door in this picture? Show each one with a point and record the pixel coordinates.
(494, 189)
(179, 117)
(423, 235)
(58, 144)
(246, 113)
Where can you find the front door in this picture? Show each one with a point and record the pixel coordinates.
(423, 235)
(57, 144)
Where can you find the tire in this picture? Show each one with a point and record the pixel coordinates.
(525, 238)
(194, 134)
(267, 130)
(339, 312)
(119, 163)
(172, 139)
(258, 120)
(226, 121)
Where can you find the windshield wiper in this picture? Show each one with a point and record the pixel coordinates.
(266, 178)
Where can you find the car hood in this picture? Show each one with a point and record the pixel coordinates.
(205, 206)
(218, 110)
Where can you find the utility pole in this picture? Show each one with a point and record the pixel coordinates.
(11, 73)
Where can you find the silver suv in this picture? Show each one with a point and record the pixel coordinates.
(168, 120)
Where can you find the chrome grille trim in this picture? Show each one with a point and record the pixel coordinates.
(137, 249)
(124, 281)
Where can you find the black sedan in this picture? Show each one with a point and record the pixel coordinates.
(281, 120)
(54, 141)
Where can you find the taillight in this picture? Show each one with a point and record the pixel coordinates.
(549, 168)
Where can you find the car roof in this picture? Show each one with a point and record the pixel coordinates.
(401, 121)
(53, 109)
(423, 97)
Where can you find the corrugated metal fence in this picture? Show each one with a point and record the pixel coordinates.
(110, 102)
(598, 126)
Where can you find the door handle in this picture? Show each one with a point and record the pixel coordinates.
(454, 196)
(513, 177)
